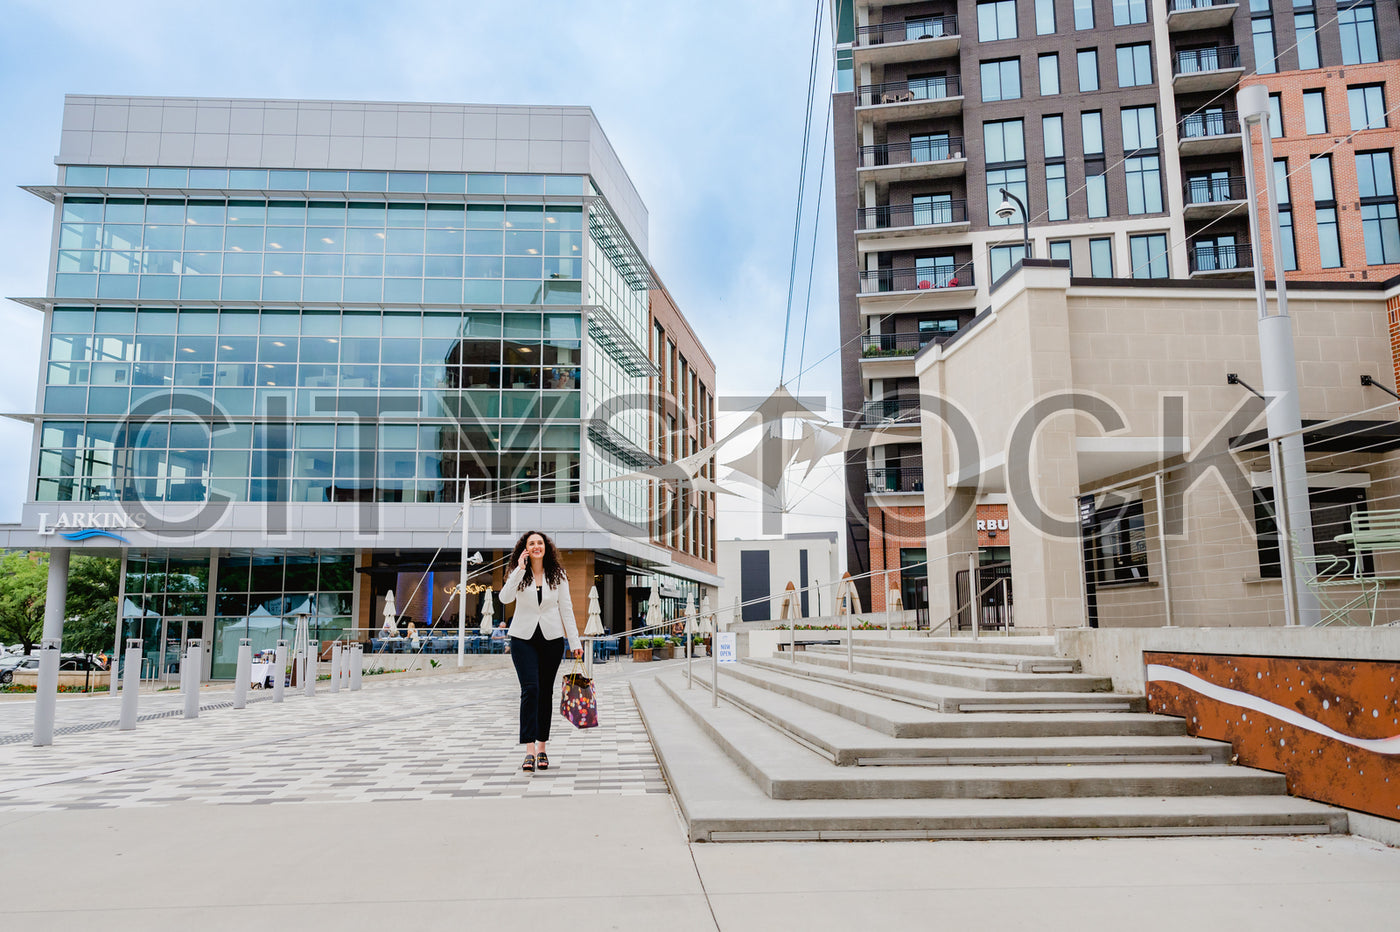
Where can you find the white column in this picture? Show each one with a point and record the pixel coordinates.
(46, 698)
(243, 673)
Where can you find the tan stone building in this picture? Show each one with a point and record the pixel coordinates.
(1150, 359)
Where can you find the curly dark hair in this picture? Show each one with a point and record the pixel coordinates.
(553, 569)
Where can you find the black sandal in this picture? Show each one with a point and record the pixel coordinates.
(542, 761)
(529, 765)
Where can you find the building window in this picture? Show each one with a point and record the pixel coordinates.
(1096, 189)
(1149, 255)
(1004, 141)
(1083, 14)
(1322, 179)
(1049, 74)
(931, 147)
(1056, 194)
(1119, 536)
(1101, 258)
(1210, 188)
(1275, 117)
(1139, 128)
(938, 271)
(1013, 180)
(1001, 80)
(1044, 17)
(1129, 12)
(1144, 184)
(1002, 258)
(1052, 131)
(932, 208)
(1088, 69)
(1287, 245)
(1358, 29)
(1314, 112)
(1281, 190)
(1263, 29)
(996, 20)
(1329, 248)
(1367, 106)
(1305, 25)
(1375, 181)
(1331, 511)
(1134, 65)
(1062, 251)
(1091, 124)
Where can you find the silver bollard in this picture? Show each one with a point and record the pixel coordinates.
(345, 652)
(46, 699)
(131, 684)
(189, 676)
(313, 649)
(357, 665)
(243, 674)
(335, 667)
(279, 672)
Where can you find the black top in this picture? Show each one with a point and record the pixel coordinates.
(539, 595)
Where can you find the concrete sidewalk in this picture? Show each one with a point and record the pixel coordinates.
(166, 836)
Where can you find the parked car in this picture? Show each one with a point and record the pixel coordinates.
(81, 662)
(9, 665)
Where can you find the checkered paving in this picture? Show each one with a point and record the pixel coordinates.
(440, 737)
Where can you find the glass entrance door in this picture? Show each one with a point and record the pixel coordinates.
(176, 634)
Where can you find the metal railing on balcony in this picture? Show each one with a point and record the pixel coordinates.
(1194, 61)
(887, 410)
(911, 30)
(881, 280)
(878, 345)
(895, 479)
(912, 153)
(1181, 6)
(1218, 257)
(1209, 123)
(1215, 190)
(913, 215)
(900, 92)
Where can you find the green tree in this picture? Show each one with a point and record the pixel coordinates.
(92, 604)
(24, 579)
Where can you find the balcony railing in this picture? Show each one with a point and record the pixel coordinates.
(1205, 125)
(1218, 257)
(1181, 6)
(878, 345)
(890, 409)
(912, 153)
(913, 215)
(895, 479)
(899, 92)
(934, 27)
(1194, 61)
(881, 280)
(1215, 190)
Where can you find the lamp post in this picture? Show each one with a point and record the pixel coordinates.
(1006, 212)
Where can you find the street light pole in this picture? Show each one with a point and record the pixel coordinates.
(1025, 218)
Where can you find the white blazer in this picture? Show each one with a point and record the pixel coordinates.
(553, 615)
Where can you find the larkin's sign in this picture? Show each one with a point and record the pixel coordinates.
(79, 525)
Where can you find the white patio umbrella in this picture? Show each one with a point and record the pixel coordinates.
(654, 615)
(594, 627)
(487, 611)
(391, 616)
(690, 613)
(707, 618)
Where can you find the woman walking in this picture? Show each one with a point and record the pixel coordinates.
(544, 619)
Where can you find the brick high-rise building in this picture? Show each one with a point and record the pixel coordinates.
(1114, 123)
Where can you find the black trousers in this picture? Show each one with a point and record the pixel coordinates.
(536, 665)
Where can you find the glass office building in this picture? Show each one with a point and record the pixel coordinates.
(285, 340)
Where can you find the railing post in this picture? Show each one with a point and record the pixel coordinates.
(972, 595)
(1159, 491)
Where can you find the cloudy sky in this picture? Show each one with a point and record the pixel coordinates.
(705, 104)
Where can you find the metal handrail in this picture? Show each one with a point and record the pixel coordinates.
(1219, 257)
(1214, 190)
(884, 410)
(912, 153)
(1183, 6)
(1197, 61)
(892, 344)
(888, 479)
(884, 280)
(903, 92)
(1207, 124)
(913, 215)
(913, 30)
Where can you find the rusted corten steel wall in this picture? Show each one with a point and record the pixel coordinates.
(1331, 727)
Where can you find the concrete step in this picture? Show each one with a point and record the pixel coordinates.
(990, 644)
(1011, 663)
(719, 803)
(846, 743)
(949, 698)
(783, 769)
(901, 719)
(930, 671)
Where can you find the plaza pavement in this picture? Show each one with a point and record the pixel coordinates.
(401, 806)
